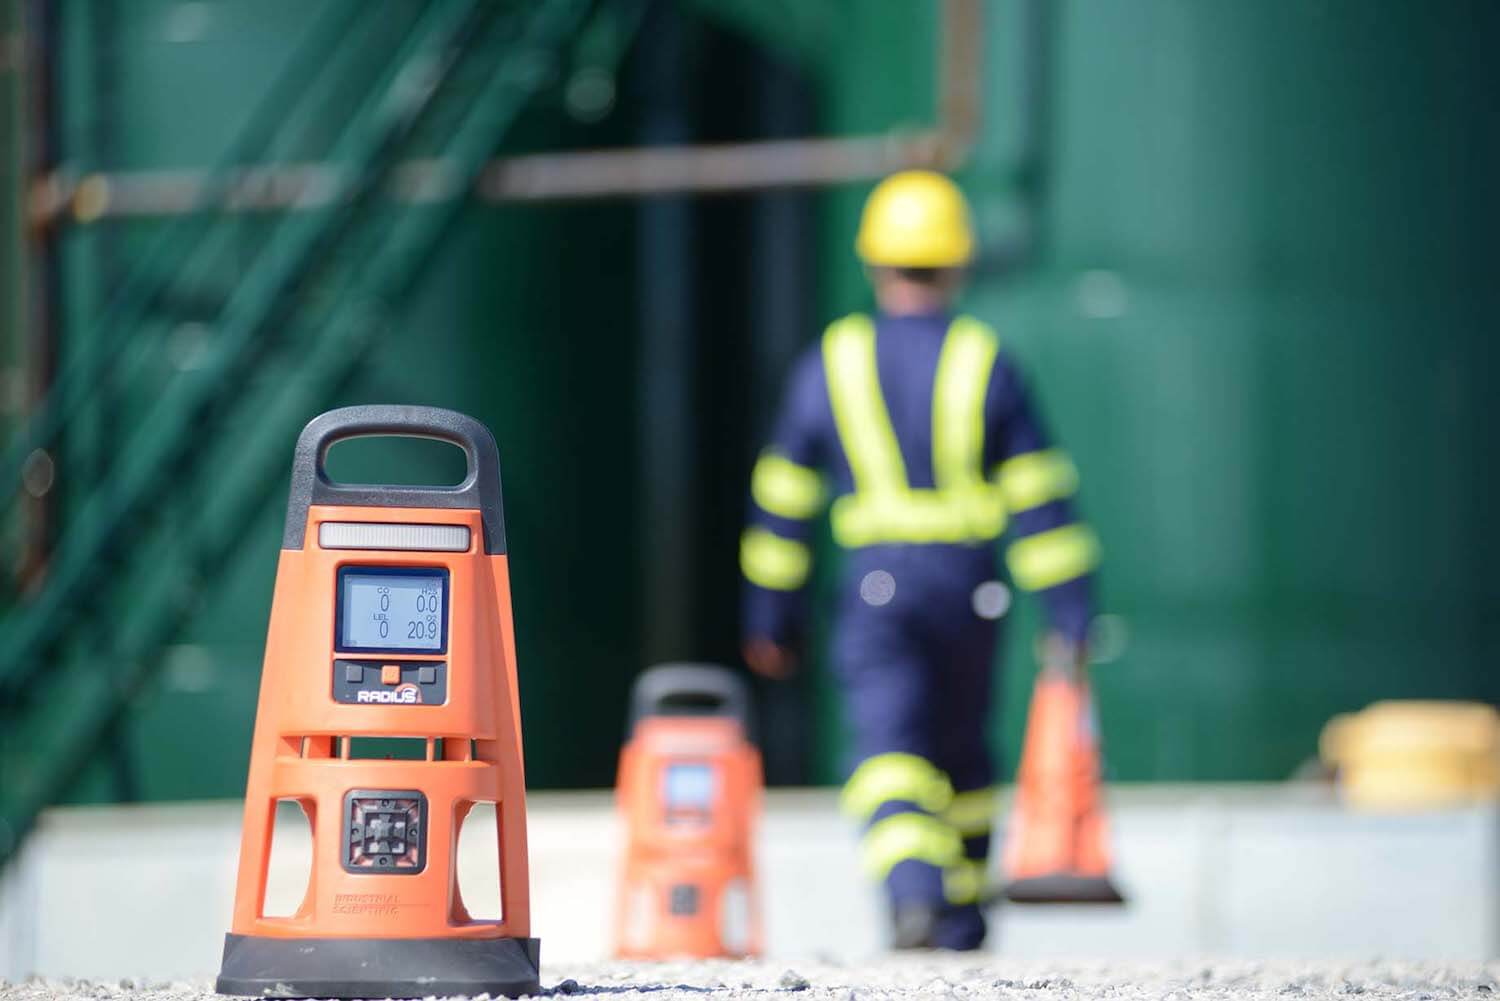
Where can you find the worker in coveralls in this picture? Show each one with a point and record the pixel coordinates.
(918, 427)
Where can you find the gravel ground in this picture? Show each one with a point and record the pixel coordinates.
(939, 977)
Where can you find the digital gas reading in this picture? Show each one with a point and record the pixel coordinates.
(689, 787)
(384, 611)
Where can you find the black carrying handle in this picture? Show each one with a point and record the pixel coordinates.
(696, 690)
(479, 491)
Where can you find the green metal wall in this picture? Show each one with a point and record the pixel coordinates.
(1260, 314)
(1258, 308)
(502, 327)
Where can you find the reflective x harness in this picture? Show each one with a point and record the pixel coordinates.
(962, 507)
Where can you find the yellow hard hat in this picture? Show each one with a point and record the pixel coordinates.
(915, 219)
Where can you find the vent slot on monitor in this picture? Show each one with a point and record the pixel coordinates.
(476, 870)
(289, 868)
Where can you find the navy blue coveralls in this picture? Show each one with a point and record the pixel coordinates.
(920, 432)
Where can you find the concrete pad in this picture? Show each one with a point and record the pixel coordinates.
(1254, 872)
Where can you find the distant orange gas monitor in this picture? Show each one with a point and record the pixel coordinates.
(391, 619)
(689, 793)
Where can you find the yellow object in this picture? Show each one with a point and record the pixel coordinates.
(1053, 557)
(972, 813)
(915, 219)
(774, 563)
(963, 375)
(1035, 478)
(884, 507)
(1415, 755)
(906, 836)
(895, 775)
(785, 489)
(964, 881)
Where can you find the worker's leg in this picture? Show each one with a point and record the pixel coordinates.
(895, 791)
(965, 688)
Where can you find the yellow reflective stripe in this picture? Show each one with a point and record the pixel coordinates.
(963, 376)
(895, 776)
(859, 411)
(964, 881)
(1035, 478)
(785, 489)
(1053, 557)
(773, 562)
(917, 516)
(973, 813)
(905, 837)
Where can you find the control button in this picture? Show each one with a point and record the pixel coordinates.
(381, 682)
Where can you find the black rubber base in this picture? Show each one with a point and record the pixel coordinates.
(1063, 888)
(378, 967)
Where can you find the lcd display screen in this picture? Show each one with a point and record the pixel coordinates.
(689, 787)
(389, 609)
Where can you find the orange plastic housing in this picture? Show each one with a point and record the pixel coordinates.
(688, 882)
(1057, 850)
(302, 742)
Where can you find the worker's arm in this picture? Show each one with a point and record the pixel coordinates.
(1050, 551)
(787, 492)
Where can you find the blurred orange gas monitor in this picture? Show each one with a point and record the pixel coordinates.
(390, 620)
(689, 794)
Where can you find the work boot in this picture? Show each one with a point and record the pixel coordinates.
(960, 928)
(913, 925)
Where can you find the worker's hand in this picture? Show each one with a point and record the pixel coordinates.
(769, 659)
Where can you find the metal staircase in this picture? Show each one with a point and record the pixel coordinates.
(284, 308)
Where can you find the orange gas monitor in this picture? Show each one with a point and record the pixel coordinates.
(689, 794)
(390, 620)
